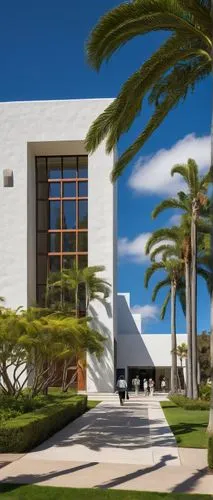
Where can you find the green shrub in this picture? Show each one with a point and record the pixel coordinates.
(189, 404)
(22, 433)
(11, 407)
(210, 452)
(205, 392)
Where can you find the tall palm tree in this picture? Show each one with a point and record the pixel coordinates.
(173, 280)
(166, 77)
(193, 203)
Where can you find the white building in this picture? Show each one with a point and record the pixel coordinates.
(58, 205)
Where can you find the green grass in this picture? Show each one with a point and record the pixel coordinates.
(92, 404)
(189, 427)
(10, 492)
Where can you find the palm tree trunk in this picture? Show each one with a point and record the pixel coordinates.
(188, 328)
(174, 381)
(194, 299)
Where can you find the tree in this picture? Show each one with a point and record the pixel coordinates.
(173, 280)
(165, 78)
(70, 291)
(33, 342)
(203, 341)
(194, 203)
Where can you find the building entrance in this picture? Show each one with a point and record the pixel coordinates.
(147, 372)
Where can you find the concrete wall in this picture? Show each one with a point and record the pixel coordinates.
(146, 350)
(135, 349)
(28, 129)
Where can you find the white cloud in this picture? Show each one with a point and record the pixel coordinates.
(135, 248)
(148, 312)
(152, 174)
(174, 220)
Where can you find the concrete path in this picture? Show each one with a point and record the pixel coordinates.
(128, 447)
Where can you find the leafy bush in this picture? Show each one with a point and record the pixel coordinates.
(22, 433)
(205, 392)
(189, 404)
(10, 407)
(210, 452)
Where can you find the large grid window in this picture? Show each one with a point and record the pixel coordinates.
(62, 215)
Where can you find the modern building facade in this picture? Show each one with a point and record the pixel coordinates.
(58, 206)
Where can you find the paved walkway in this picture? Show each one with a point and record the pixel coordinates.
(128, 447)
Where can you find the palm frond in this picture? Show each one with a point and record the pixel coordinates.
(167, 204)
(160, 235)
(161, 284)
(156, 266)
(162, 250)
(165, 304)
(137, 18)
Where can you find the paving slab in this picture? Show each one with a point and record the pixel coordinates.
(157, 477)
(130, 447)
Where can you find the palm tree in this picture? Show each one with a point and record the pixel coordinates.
(176, 240)
(165, 78)
(173, 280)
(193, 204)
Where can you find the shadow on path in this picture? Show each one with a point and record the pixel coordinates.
(190, 483)
(138, 473)
(38, 478)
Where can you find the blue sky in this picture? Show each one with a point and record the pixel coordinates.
(42, 57)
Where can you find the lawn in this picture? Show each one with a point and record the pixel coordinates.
(188, 426)
(10, 492)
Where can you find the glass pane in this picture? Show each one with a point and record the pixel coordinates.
(68, 261)
(42, 215)
(69, 242)
(54, 167)
(42, 192)
(54, 263)
(41, 269)
(42, 243)
(69, 167)
(55, 215)
(83, 189)
(54, 242)
(83, 167)
(82, 214)
(41, 169)
(54, 190)
(40, 295)
(83, 242)
(69, 189)
(69, 215)
(82, 261)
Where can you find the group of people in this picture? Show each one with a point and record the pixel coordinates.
(148, 387)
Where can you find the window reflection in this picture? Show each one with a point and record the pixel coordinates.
(69, 214)
(55, 215)
(82, 214)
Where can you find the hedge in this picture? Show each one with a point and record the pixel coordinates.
(210, 452)
(189, 404)
(22, 433)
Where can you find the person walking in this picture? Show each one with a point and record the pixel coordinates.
(122, 388)
(163, 384)
(136, 384)
(151, 387)
(145, 387)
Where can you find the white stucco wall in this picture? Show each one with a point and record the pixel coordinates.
(28, 129)
(146, 350)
